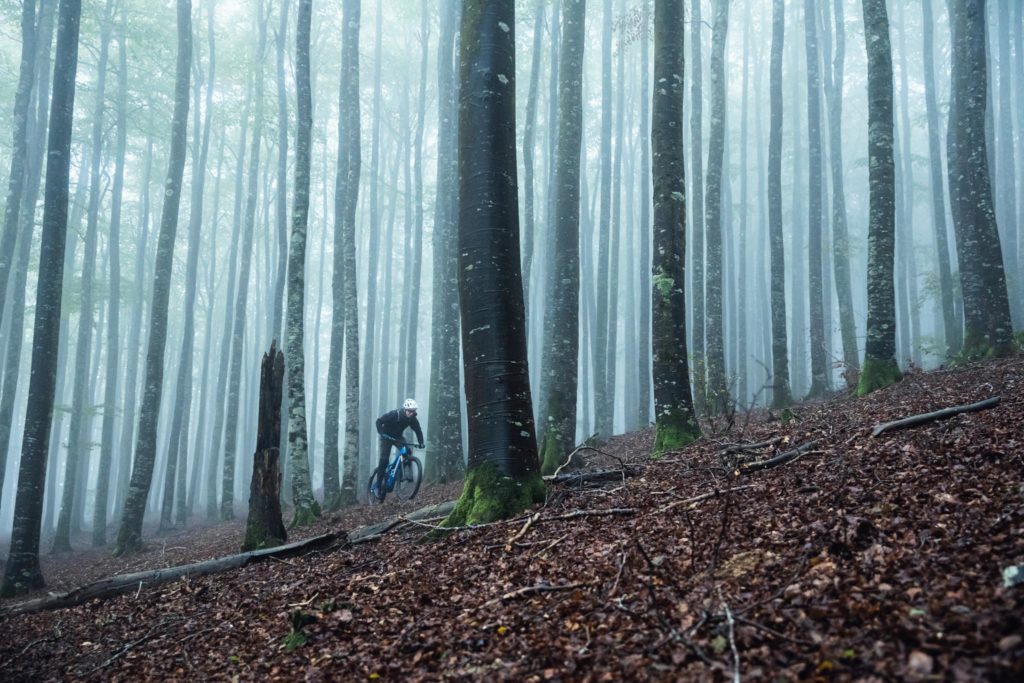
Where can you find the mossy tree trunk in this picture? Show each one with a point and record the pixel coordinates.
(22, 572)
(673, 402)
(503, 474)
(988, 330)
(264, 527)
(306, 507)
(880, 367)
(561, 324)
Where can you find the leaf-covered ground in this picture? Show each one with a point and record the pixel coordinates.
(865, 558)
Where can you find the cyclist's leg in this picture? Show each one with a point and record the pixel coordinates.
(383, 456)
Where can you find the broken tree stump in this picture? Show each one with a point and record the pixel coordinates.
(265, 526)
(923, 418)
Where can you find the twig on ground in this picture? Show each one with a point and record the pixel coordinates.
(781, 459)
(703, 496)
(924, 418)
(732, 639)
(522, 532)
(745, 447)
(552, 544)
(127, 648)
(529, 590)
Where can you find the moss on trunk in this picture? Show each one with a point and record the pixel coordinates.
(550, 454)
(488, 496)
(305, 515)
(673, 434)
(877, 374)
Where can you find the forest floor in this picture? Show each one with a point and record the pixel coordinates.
(868, 558)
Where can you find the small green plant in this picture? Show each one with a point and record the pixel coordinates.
(296, 638)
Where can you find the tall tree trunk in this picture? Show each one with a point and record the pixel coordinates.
(22, 572)
(529, 145)
(177, 449)
(880, 367)
(1005, 186)
(741, 251)
(217, 438)
(19, 153)
(281, 199)
(80, 435)
(503, 475)
(951, 331)
(644, 343)
(306, 507)
(604, 406)
(615, 247)
(227, 502)
(699, 317)
(36, 147)
(444, 456)
(982, 278)
(905, 235)
(815, 177)
(345, 309)
(129, 536)
(673, 403)
(561, 325)
(717, 391)
(781, 394)
(131, 381)
(99, 517)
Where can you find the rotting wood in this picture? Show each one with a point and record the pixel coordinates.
(125, 583)
(780, 459)
(924, 418)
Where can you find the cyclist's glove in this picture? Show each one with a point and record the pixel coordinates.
(420, 445)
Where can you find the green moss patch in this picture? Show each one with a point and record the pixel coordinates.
(876, 374)
(673, 434)
(488, 496)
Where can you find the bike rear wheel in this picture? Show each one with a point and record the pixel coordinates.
(409, 478)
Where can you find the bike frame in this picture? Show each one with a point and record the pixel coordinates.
(404, 451)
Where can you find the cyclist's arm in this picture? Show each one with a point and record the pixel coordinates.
(416, 428)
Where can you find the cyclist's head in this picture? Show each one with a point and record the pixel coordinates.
(410, 406)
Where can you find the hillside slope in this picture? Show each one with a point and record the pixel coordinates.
(866, 558)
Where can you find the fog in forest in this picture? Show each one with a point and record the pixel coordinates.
(205, 267)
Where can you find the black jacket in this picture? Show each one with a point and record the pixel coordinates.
(395, 423)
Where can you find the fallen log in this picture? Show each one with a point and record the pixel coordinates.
(780, 459)
(125, 583)
(597, 476)
(924, 418)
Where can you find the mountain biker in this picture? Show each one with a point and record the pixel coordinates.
(391, 426)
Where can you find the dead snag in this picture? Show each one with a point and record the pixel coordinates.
(924, 418)
(265, 526)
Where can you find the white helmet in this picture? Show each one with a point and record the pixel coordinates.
(410, 404)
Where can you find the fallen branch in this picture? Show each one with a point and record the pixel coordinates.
(598, 476)
(924, 418)
(125, 583)
(522, 532)
(592, 513)
(780, 459)
(529, 590)
(746, 447)
(703, 496)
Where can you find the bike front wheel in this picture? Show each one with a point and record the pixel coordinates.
(408, 478)
(371, 490)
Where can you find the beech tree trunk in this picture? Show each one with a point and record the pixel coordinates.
(129, 536)
(673, 402)
(22, 572)
(781, 394)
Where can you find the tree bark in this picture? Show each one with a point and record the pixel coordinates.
(503, 475)
(880, 367)
(673, 402)
(264, 526)
(815, 176)
(562, 313)
(129, 536)
(22, 572)
(781, 394)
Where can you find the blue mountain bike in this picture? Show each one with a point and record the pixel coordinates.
(402, 477)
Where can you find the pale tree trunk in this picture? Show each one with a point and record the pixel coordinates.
(880, 367)
(603, 394)
(99, 517)
(717, 391)
(177, 448)
(227, 502)
(444, 430)
(22, 573)
(80, 435)
(951, 331)
(1005, 186)
(673, 402)
(529, 148)
(281, 199)
(815, 176)
(306, 507)
(561, 325)
(781, 393)
(644, 337)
